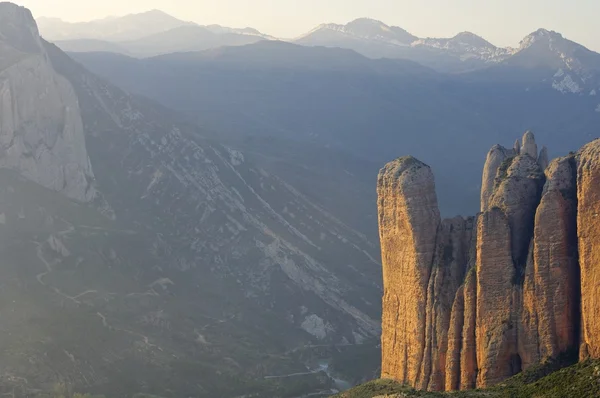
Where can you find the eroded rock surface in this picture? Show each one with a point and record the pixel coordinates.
(408, 220)
(496, 156)
(503, 291)
(553, 289)
(588, 229)
(41, 130)
(529, 147)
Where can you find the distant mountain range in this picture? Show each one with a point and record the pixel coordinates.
(375, 39)
(226, 247)
(241, 76)
(128, 27)
(375, 108)
(155, 33)
(143, 35)
(139, 256)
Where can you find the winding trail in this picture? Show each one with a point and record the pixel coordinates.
(321, 368)
(304, 347)
(145, 338)
(49, 269)
(40, 255)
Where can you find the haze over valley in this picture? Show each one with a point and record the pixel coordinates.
(193, 210)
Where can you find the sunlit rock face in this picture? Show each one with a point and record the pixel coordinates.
(506, 292)
(588, 230)
(408, 220)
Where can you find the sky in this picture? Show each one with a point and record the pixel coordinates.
(503, 22)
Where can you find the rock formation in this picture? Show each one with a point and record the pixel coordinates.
(427, 261)
(529, 147)
(499, 293)
(517, 147)
(495, 332)
(552, 285)
(495, 157)
(41, 131)
(543, 158)
(408, 219)
(588, 230)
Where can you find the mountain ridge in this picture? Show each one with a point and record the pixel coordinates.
(194, 270)
(464, 52)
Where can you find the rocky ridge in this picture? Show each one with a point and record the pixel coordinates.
(41, 130)
(479, 300)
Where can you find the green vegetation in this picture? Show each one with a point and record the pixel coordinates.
(376, 388)
(581, 380)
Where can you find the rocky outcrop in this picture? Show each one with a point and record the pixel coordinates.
(543, 159)
(496, 156)
(508, 296)
(529, 147)
(18, 29)
(425, 260)
(457, 324)
(408, 222)
(468, 355)
(448, 270)
(552, 284)
(41, 130)
(518, 185)
(588, 230)
(495, 331)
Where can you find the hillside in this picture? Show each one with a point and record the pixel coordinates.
(577, 381)
(138, 255)
(336, 99)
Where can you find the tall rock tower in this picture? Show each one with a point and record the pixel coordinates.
(471, 302)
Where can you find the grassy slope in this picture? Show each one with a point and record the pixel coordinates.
(581, 380)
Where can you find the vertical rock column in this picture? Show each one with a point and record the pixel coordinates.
(504, 239)
(551, 288)
(495, 157)
(588, 229)
(470, 303)
(495, 332)
(408, 222)
(455, 341)
(448, 271)
(468, 356)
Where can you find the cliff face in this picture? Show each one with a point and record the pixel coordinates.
(425, 262)
(502, 292)
(408, 219)
(41, 130)
(588, 230)
(209, 261)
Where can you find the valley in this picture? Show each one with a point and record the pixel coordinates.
(193, 210)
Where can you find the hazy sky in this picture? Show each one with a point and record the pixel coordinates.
(503, 22)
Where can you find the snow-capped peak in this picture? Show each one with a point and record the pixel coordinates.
(575, 68)
(551, 50)
(368, 29)
(472, 39)
(467, 45)
(540, 35)
(368, 26)
(218, 29)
